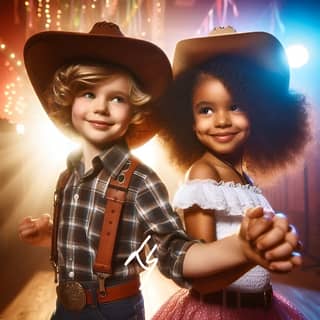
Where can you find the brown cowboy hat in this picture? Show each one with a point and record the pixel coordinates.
(262, 47)
(45, 52)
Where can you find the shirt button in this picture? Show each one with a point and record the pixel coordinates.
(76, 197)
(71, 274)
(70, 259)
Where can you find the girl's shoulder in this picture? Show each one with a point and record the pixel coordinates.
(226, 198)
(202, 169)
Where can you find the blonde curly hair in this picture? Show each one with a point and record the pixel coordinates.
(69, 80)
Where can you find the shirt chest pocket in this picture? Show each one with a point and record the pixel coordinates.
(84, 205)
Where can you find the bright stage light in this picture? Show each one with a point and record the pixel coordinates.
(49, 143)
(297, 55)
(148, 153)
(51, 140)
(20, 129)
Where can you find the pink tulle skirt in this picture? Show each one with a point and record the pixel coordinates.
(183, 306)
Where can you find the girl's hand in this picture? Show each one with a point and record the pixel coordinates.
(281, 245)
(36, 232)
(270, 240)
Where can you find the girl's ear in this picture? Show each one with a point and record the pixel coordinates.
(249, 131)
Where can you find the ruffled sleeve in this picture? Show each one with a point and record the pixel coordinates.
(225, 197)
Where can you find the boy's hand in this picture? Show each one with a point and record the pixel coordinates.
(36, 232)
(270, 241)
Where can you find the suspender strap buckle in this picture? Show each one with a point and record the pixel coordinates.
(55, 269)
(101, 282)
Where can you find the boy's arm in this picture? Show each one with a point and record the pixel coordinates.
(36, 232)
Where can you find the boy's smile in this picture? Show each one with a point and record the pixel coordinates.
(101, 114)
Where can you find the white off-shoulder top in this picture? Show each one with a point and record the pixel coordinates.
(229, 201)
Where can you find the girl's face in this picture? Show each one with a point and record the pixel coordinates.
(219, 124)
(102, 114)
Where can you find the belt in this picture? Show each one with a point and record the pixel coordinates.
(117, 292)
(234, 299)
(74, 297)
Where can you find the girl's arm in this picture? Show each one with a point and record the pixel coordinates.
(229, 263)
(215, 265)
(220, 255)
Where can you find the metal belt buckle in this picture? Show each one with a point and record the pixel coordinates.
(71, 295)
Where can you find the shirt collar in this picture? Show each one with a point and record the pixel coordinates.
(112, 158)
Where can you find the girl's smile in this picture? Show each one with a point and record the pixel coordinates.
(224, 137)
(219, 124)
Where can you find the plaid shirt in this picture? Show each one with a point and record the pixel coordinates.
(146, 212)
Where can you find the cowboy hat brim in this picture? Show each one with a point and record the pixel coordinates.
(46, 52)
(261, 47)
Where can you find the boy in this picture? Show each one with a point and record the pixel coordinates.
(100, 87)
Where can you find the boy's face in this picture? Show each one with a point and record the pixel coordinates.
(103, 113)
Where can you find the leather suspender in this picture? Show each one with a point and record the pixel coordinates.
(116, 197)
(58, 196)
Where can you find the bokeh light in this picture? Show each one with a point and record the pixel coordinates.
(298, 55)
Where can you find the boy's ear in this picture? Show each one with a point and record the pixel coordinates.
(136, 118)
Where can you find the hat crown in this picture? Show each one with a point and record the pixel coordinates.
(105, 28)
(222, 31)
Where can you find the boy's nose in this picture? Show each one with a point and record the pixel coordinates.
(101, 106)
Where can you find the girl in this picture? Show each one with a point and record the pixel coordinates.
(231, 112)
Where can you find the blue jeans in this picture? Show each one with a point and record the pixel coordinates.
(126, 309)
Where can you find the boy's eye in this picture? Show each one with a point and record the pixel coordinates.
(88, 95)
(118, 99)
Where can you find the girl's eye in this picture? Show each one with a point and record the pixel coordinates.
(89, 95)
(205, 110)
(235, 107)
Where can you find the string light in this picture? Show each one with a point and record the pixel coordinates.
(58, 19)
(39, 9)
(48, 14)
(14, 101)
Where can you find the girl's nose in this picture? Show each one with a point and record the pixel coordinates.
(222, 119)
